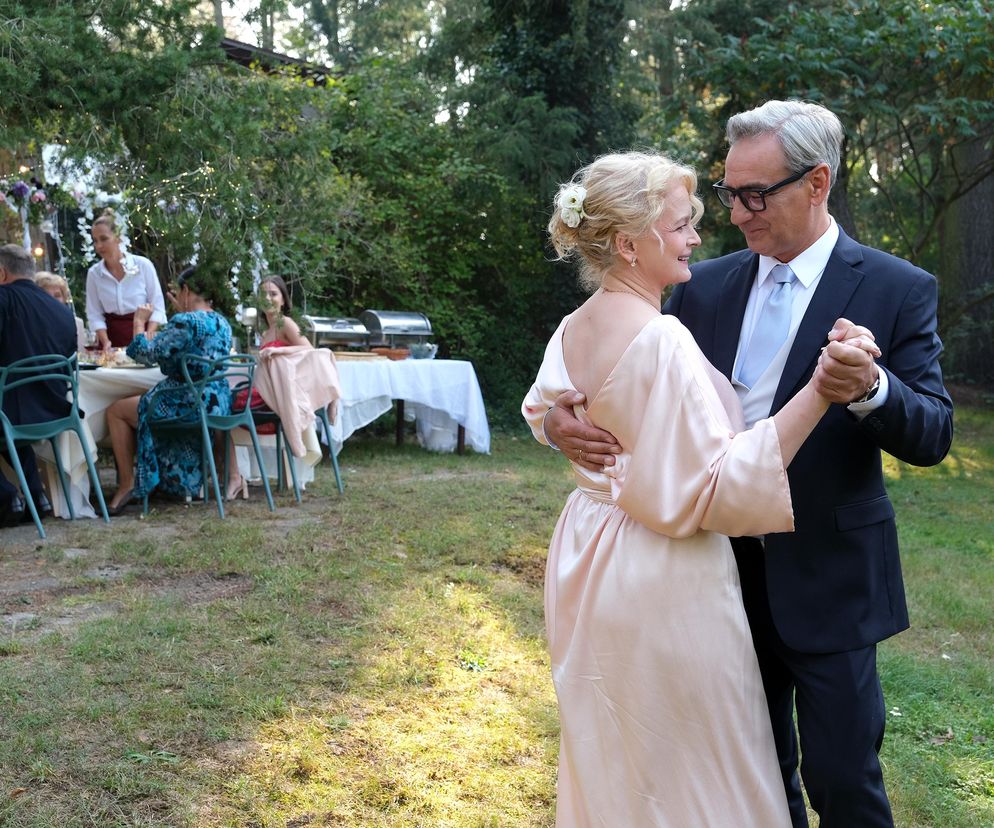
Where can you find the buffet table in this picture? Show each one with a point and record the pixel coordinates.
(441, 396)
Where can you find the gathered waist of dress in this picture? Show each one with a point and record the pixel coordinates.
(597, 495)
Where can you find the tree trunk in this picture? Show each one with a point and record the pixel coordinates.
(966, 280)
(838, 198)
(325, 14)
(267, 22)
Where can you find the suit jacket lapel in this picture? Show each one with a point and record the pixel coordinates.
(731, 308)
(837, 285)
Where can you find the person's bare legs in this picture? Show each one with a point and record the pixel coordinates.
(236, 485)
(122, 423)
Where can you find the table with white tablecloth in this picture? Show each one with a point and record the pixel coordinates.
(441, 396)
(101, 388)
(98, 390)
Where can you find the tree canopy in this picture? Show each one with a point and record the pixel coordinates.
(415, 170)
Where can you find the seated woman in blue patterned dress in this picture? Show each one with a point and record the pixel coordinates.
(170, 462)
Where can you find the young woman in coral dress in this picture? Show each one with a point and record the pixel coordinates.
(281, 332)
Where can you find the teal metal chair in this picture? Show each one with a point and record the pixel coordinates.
(322, 415)
(46, 369)
(238, 370)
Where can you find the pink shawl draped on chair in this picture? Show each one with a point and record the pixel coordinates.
(296, 381)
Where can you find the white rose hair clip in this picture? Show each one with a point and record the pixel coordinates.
(570, 204)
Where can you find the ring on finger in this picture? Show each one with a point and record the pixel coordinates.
(579, 455)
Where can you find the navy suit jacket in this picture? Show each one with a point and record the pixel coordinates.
(32, 323)
(835, 584)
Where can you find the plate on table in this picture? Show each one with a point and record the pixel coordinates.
(128, 364)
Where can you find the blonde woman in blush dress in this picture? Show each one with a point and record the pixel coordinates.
(664, 722)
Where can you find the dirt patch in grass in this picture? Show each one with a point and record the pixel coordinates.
(33, 601)
(443, 475)
(528, 562)
(203, 587)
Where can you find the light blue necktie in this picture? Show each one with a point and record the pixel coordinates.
(772, 328)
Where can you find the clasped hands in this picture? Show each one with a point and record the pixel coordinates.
(846, 370)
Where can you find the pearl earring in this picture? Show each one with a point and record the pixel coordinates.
(634, 260)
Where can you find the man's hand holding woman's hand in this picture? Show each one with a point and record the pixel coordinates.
(846, 369)
(593, 448)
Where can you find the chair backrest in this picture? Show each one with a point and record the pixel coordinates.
(46, 369)
(238, 370)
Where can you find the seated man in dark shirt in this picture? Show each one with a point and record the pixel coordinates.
(32, 323)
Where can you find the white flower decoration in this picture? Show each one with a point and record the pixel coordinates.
(130, 266)
(570, 204)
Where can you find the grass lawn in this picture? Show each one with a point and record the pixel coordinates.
(378, 659)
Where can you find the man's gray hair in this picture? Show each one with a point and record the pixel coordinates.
(17, 261)
(808, 133)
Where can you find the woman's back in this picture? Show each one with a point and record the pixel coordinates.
(599, 333)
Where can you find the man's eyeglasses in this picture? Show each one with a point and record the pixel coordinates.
(754, 200)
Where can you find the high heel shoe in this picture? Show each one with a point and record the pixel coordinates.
(236, 488)
(122, 504)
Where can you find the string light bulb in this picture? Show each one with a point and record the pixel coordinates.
(39, 251)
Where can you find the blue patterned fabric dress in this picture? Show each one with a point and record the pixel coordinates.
(171, 461)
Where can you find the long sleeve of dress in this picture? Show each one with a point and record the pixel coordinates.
(199, 333)
(167, 349)
(552, 380)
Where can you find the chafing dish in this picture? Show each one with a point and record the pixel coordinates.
(395, 328)
(335, 331)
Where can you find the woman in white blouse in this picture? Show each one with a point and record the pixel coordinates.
(116, 286)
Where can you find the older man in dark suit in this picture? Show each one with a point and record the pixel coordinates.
(821, 598)
(32, 323)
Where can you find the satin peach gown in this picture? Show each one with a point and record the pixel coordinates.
(663, 717)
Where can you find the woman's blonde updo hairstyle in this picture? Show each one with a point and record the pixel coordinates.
(625, 194)
(108, 218)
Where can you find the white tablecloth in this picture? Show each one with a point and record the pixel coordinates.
(98, 390)
(439, 396)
